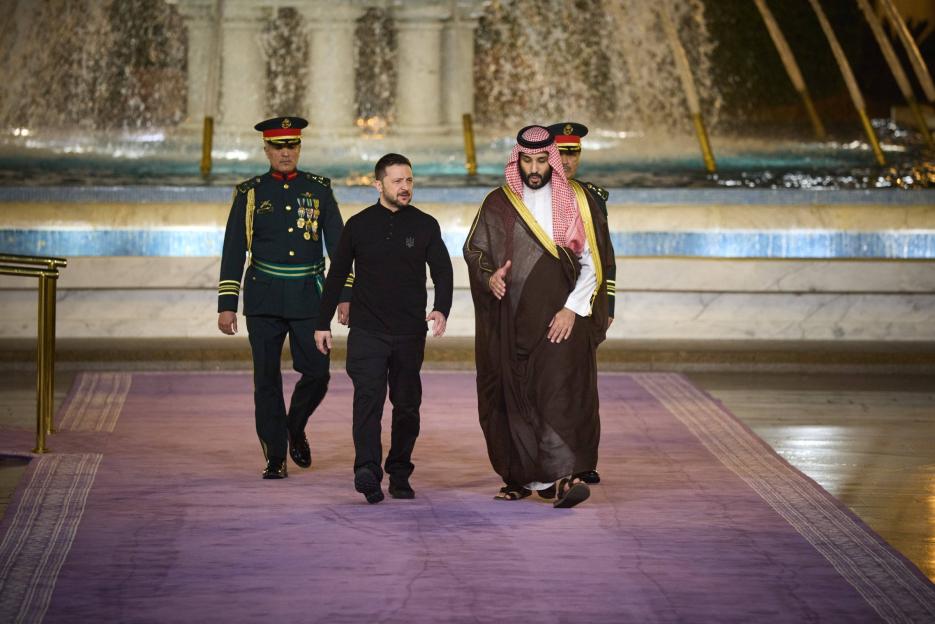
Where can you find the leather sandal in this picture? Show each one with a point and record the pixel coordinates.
(512, 493)
(569, 492)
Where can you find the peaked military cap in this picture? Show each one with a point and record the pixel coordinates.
(282, 130)
(568, 135)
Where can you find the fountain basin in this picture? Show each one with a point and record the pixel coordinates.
(717, 264)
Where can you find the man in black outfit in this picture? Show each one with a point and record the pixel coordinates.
(389, 245)
(280, 221)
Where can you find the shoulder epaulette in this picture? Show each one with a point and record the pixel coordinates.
(326, 182)
(246, 185)
(597, 190)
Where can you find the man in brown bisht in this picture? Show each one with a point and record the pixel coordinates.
(538, 254)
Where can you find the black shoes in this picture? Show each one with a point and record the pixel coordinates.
(589, 476)
(299, 451)
(275, 469)
(400, 488)
(368, 484)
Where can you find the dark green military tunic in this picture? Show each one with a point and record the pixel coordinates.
(292, 221)
(285, 222)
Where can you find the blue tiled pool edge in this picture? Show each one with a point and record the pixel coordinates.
(893, 244)
(474, 195)
(202, 242)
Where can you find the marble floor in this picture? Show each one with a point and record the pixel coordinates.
(869, 440)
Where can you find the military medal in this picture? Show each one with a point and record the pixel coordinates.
(300, 222)
(313, 215)
(307, 236)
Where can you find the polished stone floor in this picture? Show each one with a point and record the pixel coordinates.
(869, 440)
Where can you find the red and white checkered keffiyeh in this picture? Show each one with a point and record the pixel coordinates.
(567, 227)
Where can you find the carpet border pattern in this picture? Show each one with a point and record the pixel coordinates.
(891, 586)
(40, 534)
(96, 402)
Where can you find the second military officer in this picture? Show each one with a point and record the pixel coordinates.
(568, 136)
(280, 222)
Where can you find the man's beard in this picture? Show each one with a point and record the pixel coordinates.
(395, 201)
(542, 180)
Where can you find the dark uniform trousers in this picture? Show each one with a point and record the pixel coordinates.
(375, 360)
(267, 335)
(285, 222)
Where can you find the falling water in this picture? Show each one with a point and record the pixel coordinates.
(108, 78)
(376, 71)
(602, 62)
(284, 40)
(122, 64)
(90, 64)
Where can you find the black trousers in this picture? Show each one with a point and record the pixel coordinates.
(375, 361)
(267, 335)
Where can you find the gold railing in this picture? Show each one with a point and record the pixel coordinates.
(470, 154)
(46, 269)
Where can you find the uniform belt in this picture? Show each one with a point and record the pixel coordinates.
(289, 271)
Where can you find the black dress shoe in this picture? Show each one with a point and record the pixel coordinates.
(400, 488)
(299, 451)
(368, 484)
(275, 469)
(589, 476)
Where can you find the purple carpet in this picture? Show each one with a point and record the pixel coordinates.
(151, 509)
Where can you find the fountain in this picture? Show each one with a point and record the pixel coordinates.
(793, 237)
(129, 83)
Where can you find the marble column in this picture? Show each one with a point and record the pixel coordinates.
(243, 68)
(458, 75)
(199, 20)
(419, 104)
(330, 96)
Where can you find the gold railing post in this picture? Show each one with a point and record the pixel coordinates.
(470, 155)
(46, 269)
(705, 143)
(51, 288)
(42, 355)
(207, 142)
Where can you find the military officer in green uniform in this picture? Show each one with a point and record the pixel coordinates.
(568, 140)
(280, 223)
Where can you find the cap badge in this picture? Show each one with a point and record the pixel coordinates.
(568, 129)
(286, 123)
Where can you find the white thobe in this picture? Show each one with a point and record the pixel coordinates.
(539, 202)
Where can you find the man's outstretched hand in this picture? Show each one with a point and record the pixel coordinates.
(497, 281)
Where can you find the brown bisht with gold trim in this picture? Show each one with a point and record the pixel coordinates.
(537, 400)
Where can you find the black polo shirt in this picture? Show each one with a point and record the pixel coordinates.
(388, 251)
